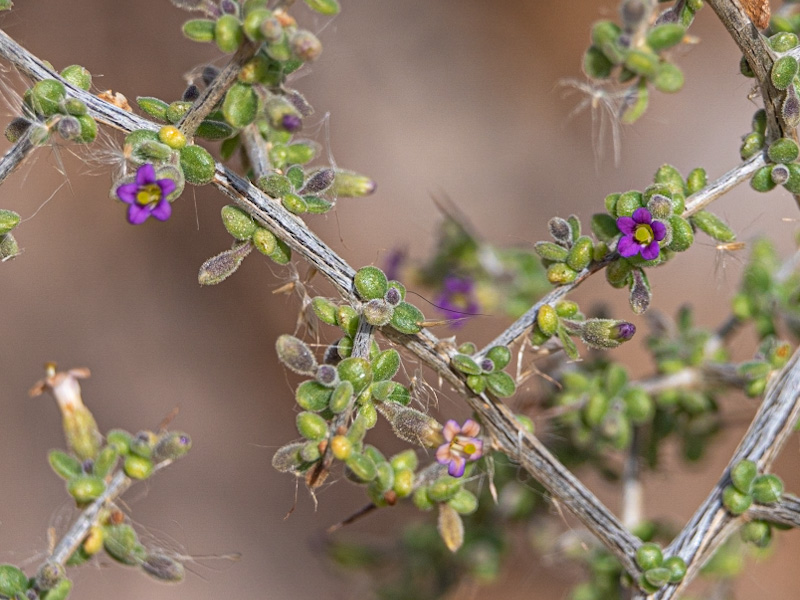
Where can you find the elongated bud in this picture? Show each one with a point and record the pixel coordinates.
(171, 446)
(296, 355)
(412, 425)
(605, 333)
(163, 568)
(305, 45)
(349, 184)
(218, 268)
(80, 428)
(640, 291)
(319, 181)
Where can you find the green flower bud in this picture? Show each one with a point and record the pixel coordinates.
(77, 76)
(712, 225)
(275, 185)
(214, 130)
(137, 467)
(384, 480)
(171, 446)
(782, 41)
(596, 64)
(757, 532)
(12, 581)
(47, 96)
(349, 184)
(767, 489)
(228, 33)
(735, 501)
(743, 474)
(386, 365)
(627, 203)
(677, 568)
(85, 488)
(403, 482)
(665, 36)
(407, 318)
(752, 143)
(636, 107)
(499, 355)
(324, 7)
(361, 467)
(421, 500)
(783, 71)
(696, 180)
(501, 384)
(580, 255)
(370, 283)
(560, 274)
(199, 30)
(464, 502)
(477, 383)
(311, 426)
(762, 179)
(88, 129)
(783, 150)
(669, 78)
(197, 164)
(341, 398)
(252, 23)
(172, 137)
(238, 223)
(162, 567)
(122, 544)
(119, 439)
(682, 234)
(305, 45)
(64, 465)
(605, 333)
(465, 364)
(649, 556)
(105, 462)
(657, 577)
(8, 220)
(604, 36)
(444, 488)
(547, 320)
(177, 110)
(641, 62)
(341, 447)
(218, 268)
(153, 107)
(75, 107)
(357, 371)
(759, 122)
(405, 460)
(347, 318)
(551, 251)
(325, 310)
(310, 451)
(240, 105)
(301, 152)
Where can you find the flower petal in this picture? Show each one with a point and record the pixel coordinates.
(443, 454)
(137, 214)
(642, 215)
(450, 430)
(167, 186)
(659, 230)
(145, 175)
(626, 225)
(456, 466)
(127, 192)
(627, 247)
(162, 211)
(650, 251)
(470, 428)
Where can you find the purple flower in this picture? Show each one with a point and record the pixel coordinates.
(461, 446)
(146, 196)
(641, 235)
(457, 298)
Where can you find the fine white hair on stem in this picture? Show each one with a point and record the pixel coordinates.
(604, 106)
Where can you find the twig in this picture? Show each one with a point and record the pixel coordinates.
(16, 155)
(785, 512)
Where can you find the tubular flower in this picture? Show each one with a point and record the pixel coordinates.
(641, 234)
(461, 445)
(146, 196)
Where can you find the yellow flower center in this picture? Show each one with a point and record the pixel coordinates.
(148, 194)
(643, 234)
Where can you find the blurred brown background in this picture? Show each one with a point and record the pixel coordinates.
(451, 97)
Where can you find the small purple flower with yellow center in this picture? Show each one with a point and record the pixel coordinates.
(457, 298)
(146, 196)
(461, 445)
(641, 234)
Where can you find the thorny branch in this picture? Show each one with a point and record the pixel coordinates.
(770, 427)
